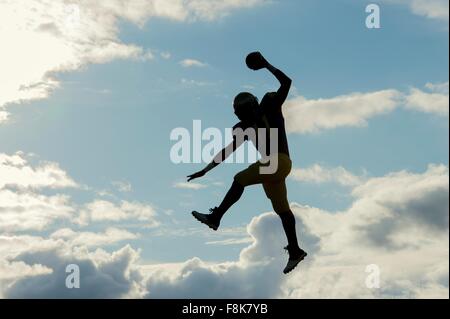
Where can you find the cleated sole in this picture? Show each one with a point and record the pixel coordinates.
(298, 261)
(213, 227)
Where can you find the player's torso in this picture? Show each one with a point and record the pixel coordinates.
(270, 130)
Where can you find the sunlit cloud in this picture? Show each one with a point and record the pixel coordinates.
(41, 39)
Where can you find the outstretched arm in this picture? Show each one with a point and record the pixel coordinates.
(219, 158)
(284, 80)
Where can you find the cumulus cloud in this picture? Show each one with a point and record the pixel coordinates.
(256, 274)
(411, 250)
(10, 247)
(319, 174)
(354, 110)
(422, 200)
(42, 38)
(398, 222)
(102, 274)
(393, 220)
(27, 260)
(10, 271)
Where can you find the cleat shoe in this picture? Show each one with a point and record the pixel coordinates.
(296, 255)
(208, 219)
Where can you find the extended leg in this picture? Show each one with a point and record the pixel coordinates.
(249, 176)
(277, 194)
(232, 196)
(288, 221)
(213, 219)
(296, 254)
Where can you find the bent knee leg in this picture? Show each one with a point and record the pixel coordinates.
(249, 176)
(246, 177)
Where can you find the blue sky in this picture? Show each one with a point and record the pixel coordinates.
(111, 121)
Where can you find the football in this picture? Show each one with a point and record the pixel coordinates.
(255, 61)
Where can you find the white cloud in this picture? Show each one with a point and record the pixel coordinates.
(109, 236)
(188, 63)
(17, 270)
(354, 110)
(13, 245)
(213, 9)
(438, 87)
(398, 221)
(24, 205)
(393, 220)
(103, 275)
(309, 116)
(423, 197)
(36, 265)
(256, 274)
(399, 217)
(189, 185)
(22, 210)
(433, 9)
(320, 174)
(16, 171)
(42, 38)
(102, 210)
(434, 101)
(3, 116)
